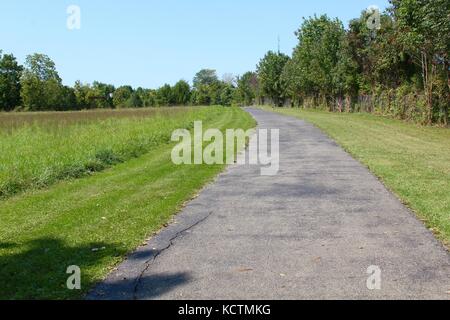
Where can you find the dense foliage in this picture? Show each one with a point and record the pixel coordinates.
(394, 63)
(37, 86)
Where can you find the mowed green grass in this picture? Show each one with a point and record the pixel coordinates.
(413, 161)
(94, 221)
(37, 150)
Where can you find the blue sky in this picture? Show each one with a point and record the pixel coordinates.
(151, 42)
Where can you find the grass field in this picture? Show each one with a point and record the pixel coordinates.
(38, 149)
(412, 161)
(95, 220)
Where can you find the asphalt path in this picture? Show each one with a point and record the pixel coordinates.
(322, 228)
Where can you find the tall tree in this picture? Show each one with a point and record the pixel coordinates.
(10, 73)
(207, 88)
(134, 101)
(121, 96)
(201, 95)
(164, 95)
(424, 31)
(227, 94)
(205, 77)
(41, 86)
(379, 56)
(270, 69)
(148, 97)
(81, 92)
(67, 99)
(317, 55)
(181, 93)
(247, 87)
(345, 73)
(101, 95)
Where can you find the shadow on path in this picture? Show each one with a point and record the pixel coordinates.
(37, 269)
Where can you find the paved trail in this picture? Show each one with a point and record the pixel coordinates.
(311, 232)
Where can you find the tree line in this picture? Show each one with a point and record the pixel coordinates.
(399, 67)
(37, 86)
(396, 63)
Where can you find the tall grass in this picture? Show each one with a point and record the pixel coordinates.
(36, 150)
(12, 120)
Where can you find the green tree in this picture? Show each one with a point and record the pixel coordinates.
(381, 62)
(227, 95)
(68, 99)
(181, 93)
(270, 69)
(101, 95)
(205, 77)
(201, 95)
(247, 88)
(345, 74)
(295, 80)
(141, 92)
(121, 96)
(424, 31)
(206, 84)
(134, 101)
(82, 93)
(148, 97)
(10, 73)
(164, 95)
(215, 92)
(41, 87)
(316, 57)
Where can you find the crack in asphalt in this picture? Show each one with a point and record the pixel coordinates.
(155, 256)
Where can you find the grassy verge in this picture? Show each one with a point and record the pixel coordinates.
(92, 222)
(38, 150)
(412, 161)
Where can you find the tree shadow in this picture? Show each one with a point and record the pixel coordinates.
(146, 288)
(37, 269)
(154, 286)
(7, 245)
